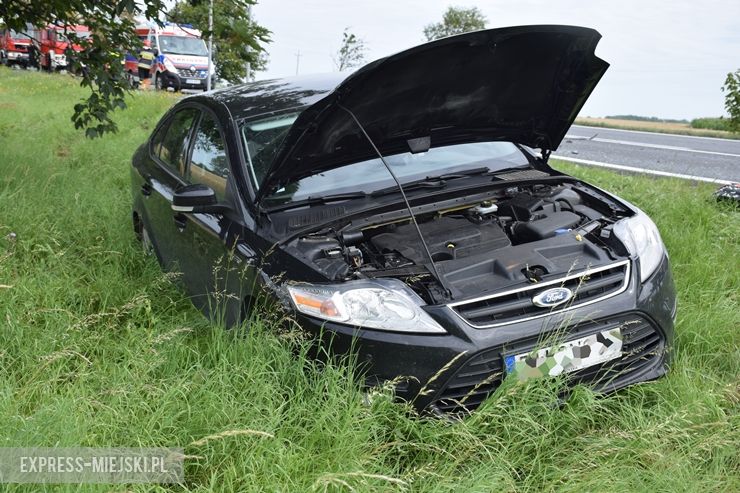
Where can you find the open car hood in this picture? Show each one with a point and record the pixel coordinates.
(520, 84)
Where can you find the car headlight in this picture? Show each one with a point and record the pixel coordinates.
(385, 304)
(641, 237)
(170, 66)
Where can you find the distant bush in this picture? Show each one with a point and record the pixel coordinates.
(720, 123)
(638, 118)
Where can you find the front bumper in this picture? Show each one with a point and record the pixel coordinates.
(456, 372)
(178, 82)
(18, 57)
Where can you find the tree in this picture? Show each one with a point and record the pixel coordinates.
(456, 20)
(732, 99)
(99, 63)
(351, 52)
(237, 38)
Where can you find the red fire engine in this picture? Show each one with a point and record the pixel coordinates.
(15, 47)
(53, 44)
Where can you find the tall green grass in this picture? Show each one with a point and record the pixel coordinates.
(710, 123)
(99, 348)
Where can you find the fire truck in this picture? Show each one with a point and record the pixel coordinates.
(15, 47)
(180, 57)
(53, 44)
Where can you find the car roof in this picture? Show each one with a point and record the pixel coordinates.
(249, 100)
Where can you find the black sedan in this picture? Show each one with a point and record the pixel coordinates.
(408, 211)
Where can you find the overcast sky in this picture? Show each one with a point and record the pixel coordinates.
(668, 58)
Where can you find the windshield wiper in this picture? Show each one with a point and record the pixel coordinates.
(325, 199)
(438, 181)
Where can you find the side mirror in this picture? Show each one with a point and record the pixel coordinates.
(155, 52)
(195, 199)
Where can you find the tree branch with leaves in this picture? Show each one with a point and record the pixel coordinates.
(456, 20)
(112, 24)
(731, 88)
(351, 52)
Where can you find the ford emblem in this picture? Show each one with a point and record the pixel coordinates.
(552, 297)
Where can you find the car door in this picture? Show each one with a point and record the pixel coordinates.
(204, 253)
(164, 174)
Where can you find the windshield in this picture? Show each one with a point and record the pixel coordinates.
(262, 140)
(22, 36)
(182, 45)
(76, 34)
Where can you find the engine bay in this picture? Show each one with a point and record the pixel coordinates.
(524, 233)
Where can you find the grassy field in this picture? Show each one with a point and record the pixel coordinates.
(662, 127)
(99, 348)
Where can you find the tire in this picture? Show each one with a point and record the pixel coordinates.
(131, 81)
(158, 83)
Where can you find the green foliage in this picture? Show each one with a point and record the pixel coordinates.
(711, 123)
(638, 118)
(99, 63)
(351, 53)
(99, 348)
(237, 38)
(456, 20)
(732, 99)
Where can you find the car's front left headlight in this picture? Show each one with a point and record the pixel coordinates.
(641, 237)
(384, 304)
(170, 66)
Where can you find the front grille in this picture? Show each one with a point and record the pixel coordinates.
(481, 374)
(191, 74)
(516, 305)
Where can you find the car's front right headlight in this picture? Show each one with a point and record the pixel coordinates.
(641, 237)
(384, 304)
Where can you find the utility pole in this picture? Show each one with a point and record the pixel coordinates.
(297, 61)
(210, 45)
(249, 64)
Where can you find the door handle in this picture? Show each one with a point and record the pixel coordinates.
(181, 221)
(146, 189)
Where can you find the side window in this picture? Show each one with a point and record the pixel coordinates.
(171, 146)
(208, 163)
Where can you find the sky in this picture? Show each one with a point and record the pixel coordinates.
(668, 58)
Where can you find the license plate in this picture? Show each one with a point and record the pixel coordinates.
(192, 81)
(566, 357)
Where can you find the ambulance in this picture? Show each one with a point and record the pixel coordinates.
(181, 56)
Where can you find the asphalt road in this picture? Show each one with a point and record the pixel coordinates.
(703, 158)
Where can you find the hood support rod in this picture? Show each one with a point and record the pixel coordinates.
(440, 279)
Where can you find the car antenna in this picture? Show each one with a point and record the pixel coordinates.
(406, 201)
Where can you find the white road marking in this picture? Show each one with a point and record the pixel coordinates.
(654, 133)
(653, 146)
(633, 169)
